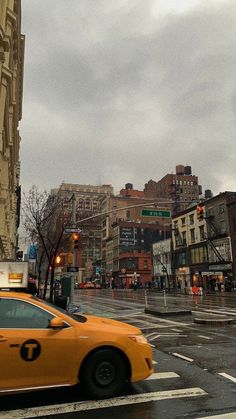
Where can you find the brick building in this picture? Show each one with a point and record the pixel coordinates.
(181, 187)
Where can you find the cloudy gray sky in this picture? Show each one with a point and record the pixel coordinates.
(120, 91)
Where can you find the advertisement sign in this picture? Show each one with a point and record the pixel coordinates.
(13, 274)
(162, 247)
(32, 252)
(127, 236)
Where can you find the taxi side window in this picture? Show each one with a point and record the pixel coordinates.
(17, 314)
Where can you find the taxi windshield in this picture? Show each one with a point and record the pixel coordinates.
(78, 317)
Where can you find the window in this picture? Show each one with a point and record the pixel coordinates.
(202, 232)
(183, 221)
(223, 227)
(191, 219)
(184, 238)
(145, 264)
(221, 208)
(18, 314)
(192, 235)
(128, 214)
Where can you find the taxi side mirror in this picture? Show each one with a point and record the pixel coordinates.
(56, 323)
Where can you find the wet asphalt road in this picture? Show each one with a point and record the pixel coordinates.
(195, 364)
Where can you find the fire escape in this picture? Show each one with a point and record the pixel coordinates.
(209, 221)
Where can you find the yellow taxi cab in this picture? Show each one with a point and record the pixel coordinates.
(43, 346)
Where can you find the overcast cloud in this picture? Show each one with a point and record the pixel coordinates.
(120, 91)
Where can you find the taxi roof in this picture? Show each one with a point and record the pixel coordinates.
(14, 294)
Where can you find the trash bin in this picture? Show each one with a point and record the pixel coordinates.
(66, 286)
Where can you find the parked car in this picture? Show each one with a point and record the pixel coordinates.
(89, 284)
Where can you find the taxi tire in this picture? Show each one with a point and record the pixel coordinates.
(104, 374)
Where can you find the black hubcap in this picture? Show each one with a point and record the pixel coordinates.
(104, 373)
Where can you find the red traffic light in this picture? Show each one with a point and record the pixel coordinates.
(200, 211)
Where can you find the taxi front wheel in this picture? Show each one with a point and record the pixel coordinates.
(104, 374)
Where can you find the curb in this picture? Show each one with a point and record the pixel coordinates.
(167, 312)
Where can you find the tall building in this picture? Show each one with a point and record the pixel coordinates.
(88, 200)
(11, 86)
(130, 227)
(181, 187)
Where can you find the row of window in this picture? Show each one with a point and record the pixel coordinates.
(183, 182)
(181, 240)
(197, 255)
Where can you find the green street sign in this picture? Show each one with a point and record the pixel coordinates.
(155, 213)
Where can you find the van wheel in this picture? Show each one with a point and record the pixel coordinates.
(103, 374)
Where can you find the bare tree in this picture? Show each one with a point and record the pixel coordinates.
(43, 221)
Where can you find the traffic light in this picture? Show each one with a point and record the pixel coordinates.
(200, 210)
(75, 237)
(58, 260)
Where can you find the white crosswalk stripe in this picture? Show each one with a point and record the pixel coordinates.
(101, 404)
(162, 375)
(145, 397)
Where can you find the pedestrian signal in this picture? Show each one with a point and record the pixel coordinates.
(200, 212)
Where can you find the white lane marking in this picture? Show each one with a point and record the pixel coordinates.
(146, 323)
(161, 375)
(182, 357)
(132, 314)
(150, 334)
(101, 404)
(172, 322)
(230, 377)
(224, 416)
(219, 312)
(153, 338)
(177, 330)
(165, 335)
(204, 337)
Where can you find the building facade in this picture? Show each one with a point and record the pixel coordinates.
(88, 200)
(181, 187)
(190, 257)
(162, 264)
(129, 228)
(11, 87)
(203, 249)
(220, 232)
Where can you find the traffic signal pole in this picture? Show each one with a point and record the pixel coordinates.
(73, 221)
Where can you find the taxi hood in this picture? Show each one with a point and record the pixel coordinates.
(104, 321)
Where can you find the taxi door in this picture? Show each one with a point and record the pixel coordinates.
(31, 354)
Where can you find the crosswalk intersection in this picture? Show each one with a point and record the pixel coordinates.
(131, 399)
